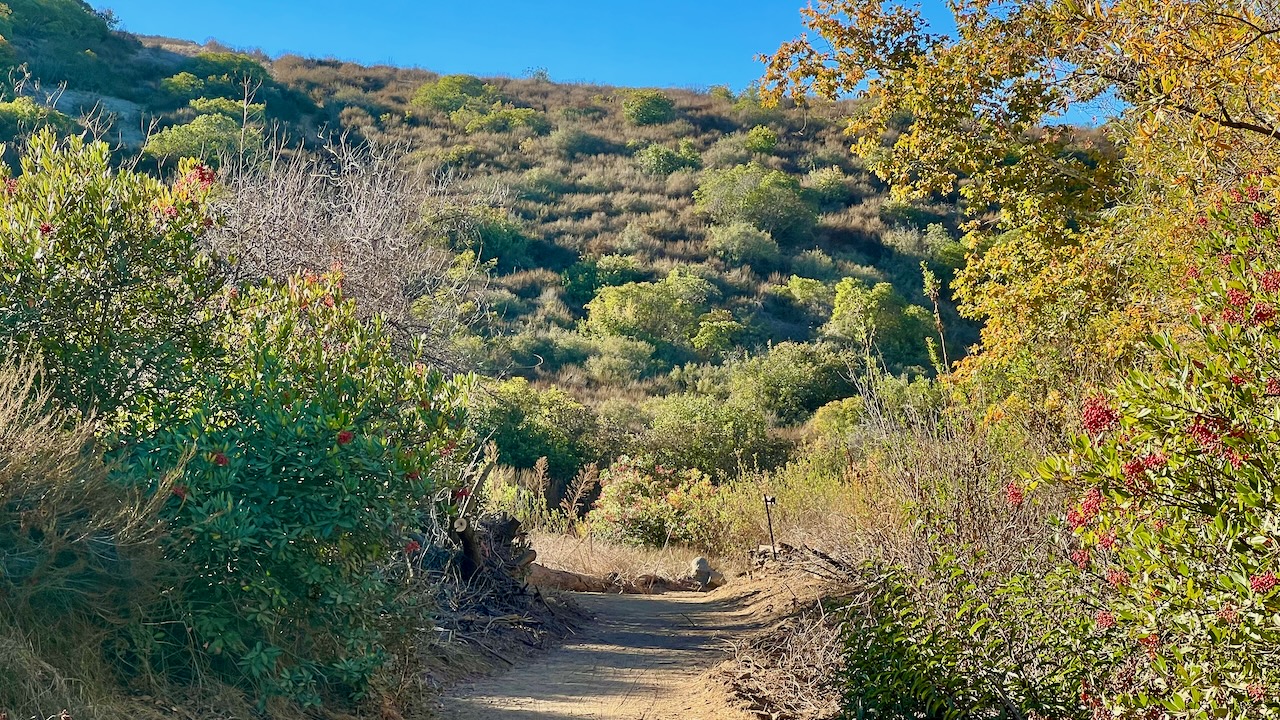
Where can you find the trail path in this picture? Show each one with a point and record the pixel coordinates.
(642, 658)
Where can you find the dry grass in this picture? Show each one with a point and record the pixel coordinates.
(598, 558)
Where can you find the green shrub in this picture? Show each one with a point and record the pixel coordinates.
(100, 306)
(816, 264)
(761, 139)
(659, 312)
(645, 504)
(500, 119)
(692, 431)
(716, 333)
(878, 317)
(838, 417)
(454, 92)
(620, 360)
(295, 479)
(528, 423)
(768, 199)
(235, 109)
(648, 107)
(815, 297)
(1176, 477)
(829, 187)
(182, 87)
(22, 115)
(208, 137)
(792, 380)
(661, 160)
(741, 243)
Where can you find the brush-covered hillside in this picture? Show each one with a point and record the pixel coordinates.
(664, 267)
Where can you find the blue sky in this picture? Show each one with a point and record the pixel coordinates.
(661, 43)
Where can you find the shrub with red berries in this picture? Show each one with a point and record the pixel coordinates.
(1180, 500)
(327, 443)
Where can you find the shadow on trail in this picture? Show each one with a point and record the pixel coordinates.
(639, 658)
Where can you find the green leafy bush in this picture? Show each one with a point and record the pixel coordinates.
(207, 137)
(454, 92)
(528, 423)
(767, 199)
(294, 479)
(648, 107)
(500, 118)
(792, 380)
(706, 433)
(116, 316)
(878, 317)
(1174, 528)
(645, 504)
(22, 115)
(666, 311)
(741, 243)
(658, 159)
(761, 139)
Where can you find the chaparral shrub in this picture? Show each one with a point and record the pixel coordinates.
(293, 483)
(647, 504)
(1174, 532)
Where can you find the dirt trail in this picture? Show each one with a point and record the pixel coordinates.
(643, 657)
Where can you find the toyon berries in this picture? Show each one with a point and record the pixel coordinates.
(1239, 298)
(220, 459)
(1260, 219)
(1257, 691)
(1105, 619)
(1014, 495)
(1080, 558)
(1117, 578)
(45, 228)
(1270, 280)
(345, 437)
(1263, 583)
(412, 547)
(1098, 416)
(414, 475)
(180, 491)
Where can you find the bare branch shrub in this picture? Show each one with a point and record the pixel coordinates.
(357, 206)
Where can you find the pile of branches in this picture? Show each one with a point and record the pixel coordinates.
(791, 671)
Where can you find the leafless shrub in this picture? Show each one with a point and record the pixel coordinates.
(358, 206)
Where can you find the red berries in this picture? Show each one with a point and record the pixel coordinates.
(1080, 558)
(1105, 619)
(181, 492)
(1117, 578)
(1260, 219)
(1263, 313)
(345, 437)
(414, 475)
(1257, 691)
(1263, 583)
(45, 228)
(1229, 615)
(1273, 387)
(412, 547)
(1236, 297)
(220, 460)
(1254, 193)
(1270, 280)
(200, 176)
(1014, 495)
(1098, 416)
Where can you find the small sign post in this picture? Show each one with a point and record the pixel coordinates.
(769, 500)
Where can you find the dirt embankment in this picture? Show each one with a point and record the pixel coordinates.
(640, 656)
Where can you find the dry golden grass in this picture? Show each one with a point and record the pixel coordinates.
(600, 558)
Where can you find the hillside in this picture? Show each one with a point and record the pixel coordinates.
(639, 244)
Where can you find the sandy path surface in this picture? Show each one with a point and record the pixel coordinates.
(642, 658)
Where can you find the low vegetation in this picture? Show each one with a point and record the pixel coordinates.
(1016, 379)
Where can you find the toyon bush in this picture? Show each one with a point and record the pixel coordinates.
(1176, 528)
(294, 484)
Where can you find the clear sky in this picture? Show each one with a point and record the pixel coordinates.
(660, 43)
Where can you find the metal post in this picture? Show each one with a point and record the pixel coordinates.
(769, 500)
